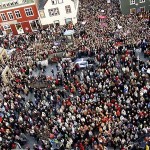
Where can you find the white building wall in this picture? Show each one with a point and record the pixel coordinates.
(63, 15)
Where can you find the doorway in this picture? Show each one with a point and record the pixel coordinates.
(19, 28)
(142, 9)
(7, 29)
(57, 23)
(132, 11)
(68, 20)
(35, 25)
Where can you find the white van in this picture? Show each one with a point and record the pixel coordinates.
(81, 64)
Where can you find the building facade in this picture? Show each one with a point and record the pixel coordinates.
(18, 16)
(134, 6)
(5, 72)
(57, 12)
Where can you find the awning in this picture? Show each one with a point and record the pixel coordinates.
(69, 32)
(8, 22)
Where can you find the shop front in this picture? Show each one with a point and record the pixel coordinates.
(20, 27)
(34, 24)
(6, 26)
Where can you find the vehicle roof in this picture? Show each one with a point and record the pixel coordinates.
(81, 59)
(81, 62)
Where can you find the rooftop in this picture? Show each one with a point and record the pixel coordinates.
(12, 3)
(41, 4)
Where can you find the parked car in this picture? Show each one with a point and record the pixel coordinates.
(83, 62)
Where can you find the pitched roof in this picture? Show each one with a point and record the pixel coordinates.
(12, 3)
(41, 4)
(19, 1)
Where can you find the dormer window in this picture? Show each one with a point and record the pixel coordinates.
(11, 4)
(8, 4)
(3, 17)
(54, 2)
(60, 1)
(16, 3)
(4, 5)
(24, 1)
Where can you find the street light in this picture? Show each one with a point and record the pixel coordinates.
(138, 51)
(113, 21)
(136, 7)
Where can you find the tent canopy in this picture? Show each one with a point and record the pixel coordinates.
(43, 63)
(69, 32)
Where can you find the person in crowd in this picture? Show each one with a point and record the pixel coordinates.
(103, 105)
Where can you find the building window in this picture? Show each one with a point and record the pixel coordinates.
(132, 11)
(17, 13)
(68, 20)
(19, 28)
(3, 17)
(6, 27)
(68, 9)
(56, 23)
(42, 14)
(24, 1)
(29, 11)
(60, 1)
(54, 2)
(142, 1)
(132, 2)
(10, 15)
(53, 12)
(35, 25)
(142, 9)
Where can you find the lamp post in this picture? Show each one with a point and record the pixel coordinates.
(136, 7)
(113, 21)
(138, 51)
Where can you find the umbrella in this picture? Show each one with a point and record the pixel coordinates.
(102, 17)
(51, 136)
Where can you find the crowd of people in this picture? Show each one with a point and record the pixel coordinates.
(104, 105)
